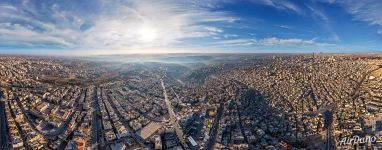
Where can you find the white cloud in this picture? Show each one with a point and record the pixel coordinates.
(326, 22)
(318, 13)
(16, 34)
(209, 3)
(7, 8)
(273, 41)
(236, 42)
(281, 4)
(363, 10)
(230, 35)
(277, 41)
(283, 27)
(291, 42)
(120, 25)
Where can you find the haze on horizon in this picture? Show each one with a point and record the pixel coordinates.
(79, 27)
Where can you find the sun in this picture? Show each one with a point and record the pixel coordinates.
(147, 34)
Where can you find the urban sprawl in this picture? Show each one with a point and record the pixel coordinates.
(254, 101)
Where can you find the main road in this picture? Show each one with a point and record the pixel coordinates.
(171, 112)
(97, 139)
(4, 136)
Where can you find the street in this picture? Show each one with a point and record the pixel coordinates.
(171, 112)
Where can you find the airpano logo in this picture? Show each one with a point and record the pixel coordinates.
(355, 140)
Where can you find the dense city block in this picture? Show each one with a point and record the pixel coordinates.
(191, 102)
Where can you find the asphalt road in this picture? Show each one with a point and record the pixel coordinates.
(96, 123)
(173, 119)
(4, 136)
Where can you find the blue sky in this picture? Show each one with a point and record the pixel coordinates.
(89, 27)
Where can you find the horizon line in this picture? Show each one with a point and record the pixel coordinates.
(180, 53)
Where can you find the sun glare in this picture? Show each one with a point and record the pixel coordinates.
(147, 34)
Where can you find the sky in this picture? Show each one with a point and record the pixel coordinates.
(92, 27)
